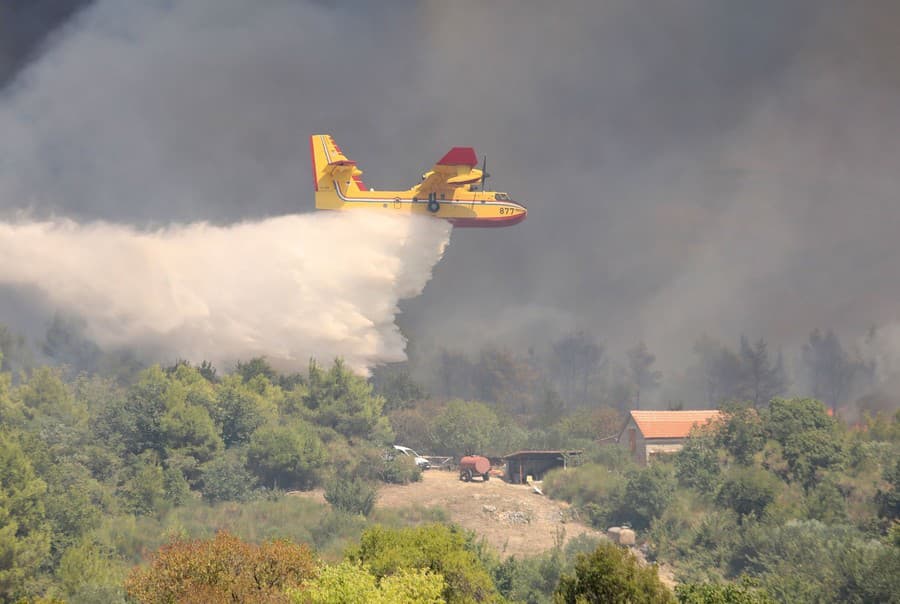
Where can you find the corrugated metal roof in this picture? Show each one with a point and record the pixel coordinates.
(672, 424)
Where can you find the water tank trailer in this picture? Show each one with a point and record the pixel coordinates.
(474, 465)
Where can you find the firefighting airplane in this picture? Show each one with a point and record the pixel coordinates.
(453, 189)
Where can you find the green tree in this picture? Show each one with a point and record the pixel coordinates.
(238, 411)
(45, 394)
(343, 401)
(810, 452)
(748, 491)
(888, 497)
(348, 583)
(136, 423)
(394, 383)
(286, 456)
(647, 494)
(258, 366)
(787, 417)
(827, 504)
(464, 428)
(807, 561)
(24, 531)
(226, 478)
(742, 433)
(435, 548)
(612, 574)
(721, 593)
(144, 493)
(697, 463)
(74, 503)
(89, 573)
(189, 430)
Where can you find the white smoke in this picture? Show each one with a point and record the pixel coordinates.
(291, 288)
(190, 114)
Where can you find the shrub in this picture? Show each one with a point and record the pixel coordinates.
(402, 469)
(647, 493)
(225, 478)
(221, 569)
(807, 561)
(742, 433)
(436, 548)
(347, 582)
(286, 456)
(351, 494)
(697, 463)
(748, 491)
(465, 428)
(721, 593)
(612, 574)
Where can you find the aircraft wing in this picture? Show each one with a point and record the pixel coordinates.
(455, 169)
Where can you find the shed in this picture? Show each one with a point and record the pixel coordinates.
(521, 464)
(649, 433)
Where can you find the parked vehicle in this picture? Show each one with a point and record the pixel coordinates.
(474, 465)
(423, 463)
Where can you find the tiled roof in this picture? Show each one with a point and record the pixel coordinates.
(672, 424)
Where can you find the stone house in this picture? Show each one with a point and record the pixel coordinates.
(649, 433)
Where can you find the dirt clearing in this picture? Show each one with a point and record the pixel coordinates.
(512, 518)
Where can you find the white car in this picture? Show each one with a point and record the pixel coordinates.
(423, 463)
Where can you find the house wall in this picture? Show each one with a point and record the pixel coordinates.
(633, 441)
(643, 449)
(657, 446)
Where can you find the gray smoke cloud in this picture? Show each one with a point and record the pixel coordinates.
(123, 119)
(689, 167)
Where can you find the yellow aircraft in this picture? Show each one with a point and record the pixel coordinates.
(453, 189)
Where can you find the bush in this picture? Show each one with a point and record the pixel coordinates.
(221, 569)
(351, 494)
(465, 428)
(748, 491)
(612, 574)
(402, 469)
(807, 561)
(647, 494)
(808, 453)
(436, 548)
(226, 479)
(721, 593)
(697, 463)
(286, 456)
(742, 433)
(590, 482)
(348, 582)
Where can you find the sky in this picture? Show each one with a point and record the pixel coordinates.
(690, 166)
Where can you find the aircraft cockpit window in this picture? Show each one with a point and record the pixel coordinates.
(501, 196)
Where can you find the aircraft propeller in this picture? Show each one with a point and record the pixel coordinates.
(484, 173)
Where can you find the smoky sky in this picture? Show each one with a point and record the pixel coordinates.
(690, 167)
